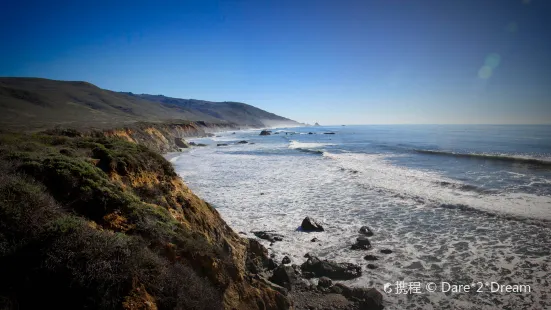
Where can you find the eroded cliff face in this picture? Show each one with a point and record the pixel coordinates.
(139, 238)
(164, 137)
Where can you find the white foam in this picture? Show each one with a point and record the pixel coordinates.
(379, 173)
(257, 192)
(307, 145)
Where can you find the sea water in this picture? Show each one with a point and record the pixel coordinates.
(455, 204)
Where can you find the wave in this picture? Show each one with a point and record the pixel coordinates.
(430, 188)
(496, 157)
(308, 147)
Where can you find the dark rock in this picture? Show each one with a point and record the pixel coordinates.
(333, 270)
(362, 243)
(307, 255)
(257, 259)
(364, 230)
(309, 224)
(265, 133)
(328, 133)
(222, 144)
(325, 282)
(308, 275)
(386, 251)
(276, 133)
(342, 289)
(242, 233)
(233, 133)
(242, 142)
(286, 260)
(193, 143)
(369, 298)
(371, 266)
(284, 276)
(274, 286)
(201, 144)
(181, 143)
(336, 289)
(268, 235)
(370, 257)
(314, 240)
(310, 133)
(271, 264)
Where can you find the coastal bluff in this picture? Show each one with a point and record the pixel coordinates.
(101, 220)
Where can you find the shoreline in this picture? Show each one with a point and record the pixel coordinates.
(257, 198)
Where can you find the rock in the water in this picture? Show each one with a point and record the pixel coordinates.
(242, 142)
(284, 276)
(370, 257)
(371, 266)
(325, 282)
(265, 133)
(222, 144)
(193, 143)
(201, 144)
(310, 133)
(386, 251)
(333, 270)
(362, 243)
(268, 235)
(286, 260)
(309, 224)
(364, 230)
(314, 240)
(328, 133)
(181, 143)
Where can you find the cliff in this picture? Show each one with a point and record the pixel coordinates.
(99, 219)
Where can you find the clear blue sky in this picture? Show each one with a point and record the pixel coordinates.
(336, 62)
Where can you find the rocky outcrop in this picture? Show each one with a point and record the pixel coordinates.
(162, 137)
(265, 133)
(284, 276)
(364, 230)
(181, 143)
(325, 282)
(127, 214)
(362, 243)
(333, 270)
(309, 224)
(268, 235)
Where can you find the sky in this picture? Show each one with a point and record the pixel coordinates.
(332, 62)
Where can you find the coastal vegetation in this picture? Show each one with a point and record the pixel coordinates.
(93, 221)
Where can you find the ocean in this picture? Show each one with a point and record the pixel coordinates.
(462, 204)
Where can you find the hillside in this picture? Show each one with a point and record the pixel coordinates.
(33, 103)
(97, 222)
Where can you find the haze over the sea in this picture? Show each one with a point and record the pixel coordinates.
(335, 62)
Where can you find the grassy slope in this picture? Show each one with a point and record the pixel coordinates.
(99, 222)
(32, 103)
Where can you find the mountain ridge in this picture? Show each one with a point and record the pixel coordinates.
(37, 103)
